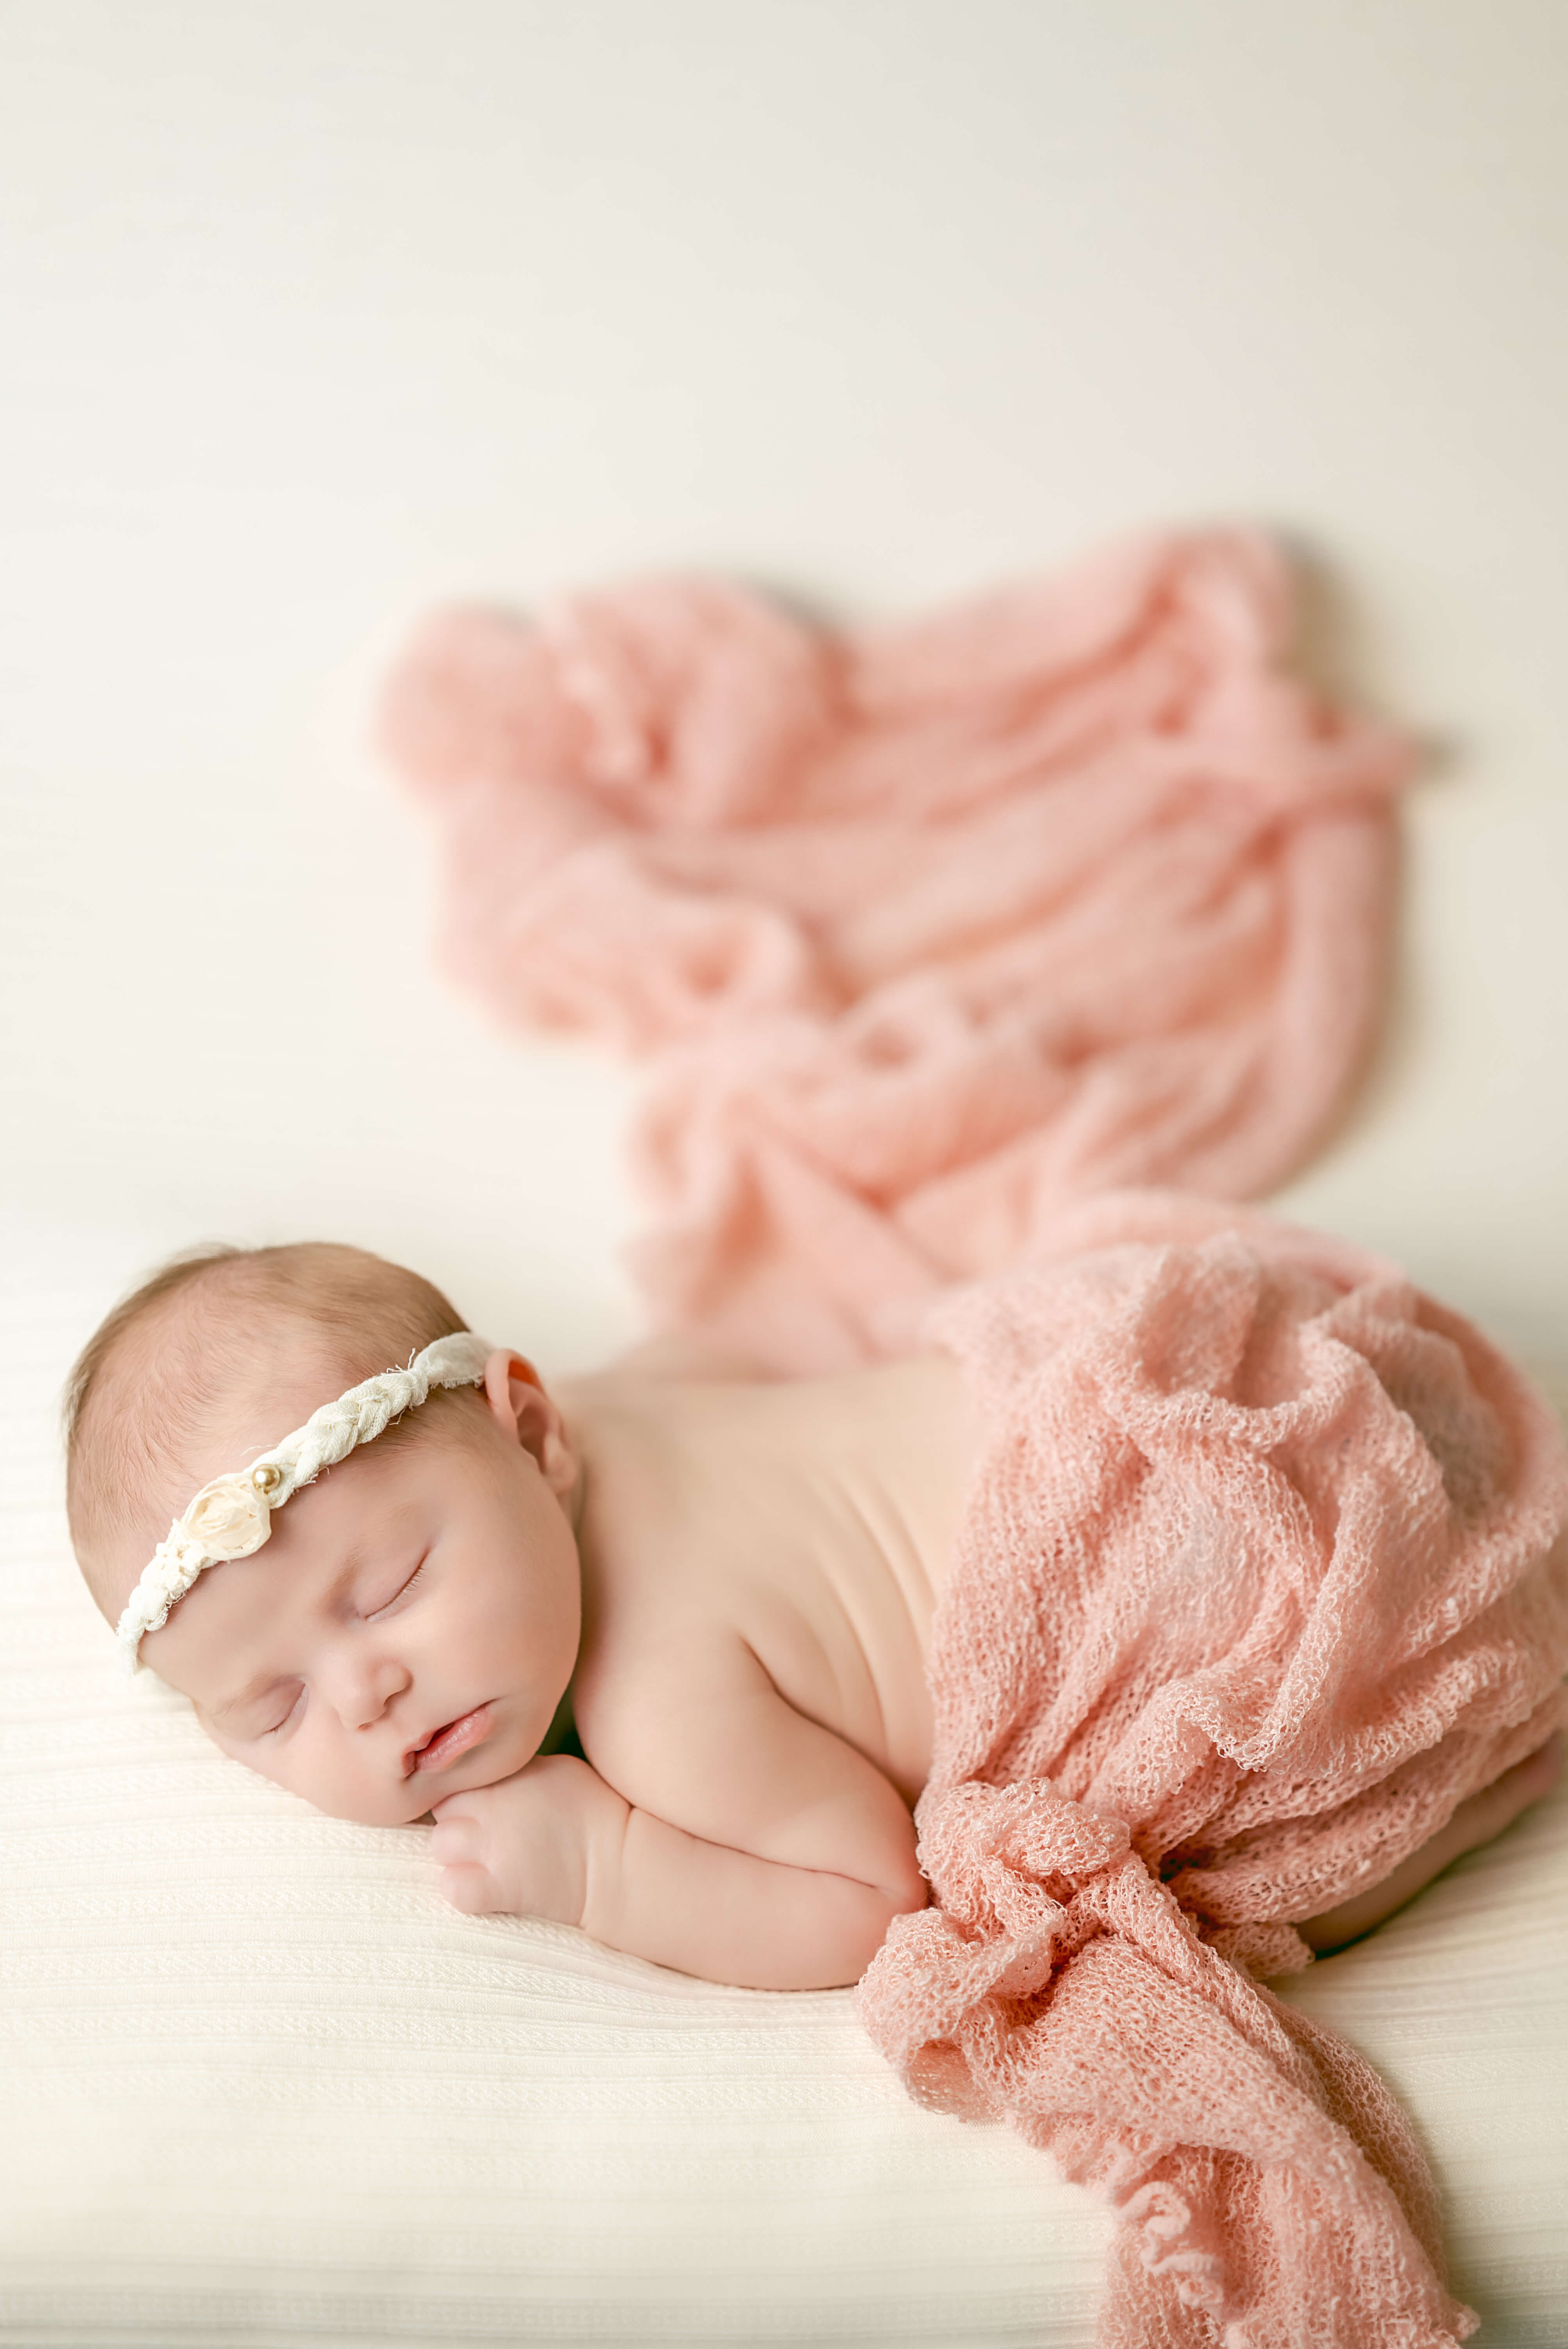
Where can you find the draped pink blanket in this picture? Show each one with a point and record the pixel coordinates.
(931, 932)
(927, 927)
(1260, 1579)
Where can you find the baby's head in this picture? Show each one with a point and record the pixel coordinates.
(409, 1625)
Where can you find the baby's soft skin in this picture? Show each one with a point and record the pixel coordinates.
(732, 1581)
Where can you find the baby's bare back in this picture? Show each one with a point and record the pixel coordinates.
(740, 1532)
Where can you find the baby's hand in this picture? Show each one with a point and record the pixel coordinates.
(521, 1846)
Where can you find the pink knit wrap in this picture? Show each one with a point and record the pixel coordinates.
(924, 929)
(930, 933)
(1261, 1577)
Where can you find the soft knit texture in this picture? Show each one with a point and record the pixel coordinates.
(926, 928)
(1260, 1579)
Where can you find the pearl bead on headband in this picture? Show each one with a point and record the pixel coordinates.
(231, 1516)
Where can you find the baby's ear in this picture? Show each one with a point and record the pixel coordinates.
(507, 1376)
(521, 1408)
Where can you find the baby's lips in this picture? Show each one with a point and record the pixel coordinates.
(445, 1744)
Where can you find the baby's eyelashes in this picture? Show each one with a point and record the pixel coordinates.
(404, 1590)
(284, 1718)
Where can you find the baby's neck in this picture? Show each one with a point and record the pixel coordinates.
(562, 1737)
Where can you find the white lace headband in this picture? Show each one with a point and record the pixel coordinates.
(231, 1516)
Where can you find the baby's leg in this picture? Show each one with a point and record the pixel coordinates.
(1474, 1823)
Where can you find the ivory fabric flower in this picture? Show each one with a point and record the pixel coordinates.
(228, 1518)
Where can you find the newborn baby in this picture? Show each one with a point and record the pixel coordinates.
(650, 1650)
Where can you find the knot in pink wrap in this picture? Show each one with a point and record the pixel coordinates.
(1004, 1858)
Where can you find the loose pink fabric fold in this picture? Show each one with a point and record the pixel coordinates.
(1261, 1577)
(925, 928)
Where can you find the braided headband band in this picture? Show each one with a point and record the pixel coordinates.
(231, 1516)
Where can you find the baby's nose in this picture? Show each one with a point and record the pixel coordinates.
(365, 1692)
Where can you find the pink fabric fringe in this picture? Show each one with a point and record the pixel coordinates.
(1261, 1577)
(927, 929)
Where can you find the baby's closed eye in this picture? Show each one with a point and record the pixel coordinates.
(281, 1718)
(404, 1590)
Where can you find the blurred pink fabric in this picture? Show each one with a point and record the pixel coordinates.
(925, 929)
(1261, 1577)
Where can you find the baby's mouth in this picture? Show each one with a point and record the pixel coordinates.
(443, 1745)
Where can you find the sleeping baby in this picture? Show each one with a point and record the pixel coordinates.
(651, 1650)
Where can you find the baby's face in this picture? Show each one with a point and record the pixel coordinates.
(410, 1625)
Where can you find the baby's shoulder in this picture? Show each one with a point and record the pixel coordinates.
(654, 1698)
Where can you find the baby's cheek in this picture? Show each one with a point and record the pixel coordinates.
(328, 1779)
(251, 1755)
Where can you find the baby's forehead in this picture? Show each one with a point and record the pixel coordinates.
(323, 1541)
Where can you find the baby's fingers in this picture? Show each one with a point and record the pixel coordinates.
(467, 1805)
(454, 1838)
(471, 1888)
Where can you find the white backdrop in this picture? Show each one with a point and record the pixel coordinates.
(318, 309)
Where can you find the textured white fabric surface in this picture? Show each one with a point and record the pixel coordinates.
(261, 2085)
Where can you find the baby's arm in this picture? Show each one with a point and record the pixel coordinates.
(791, 1856)
(556, 1841)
